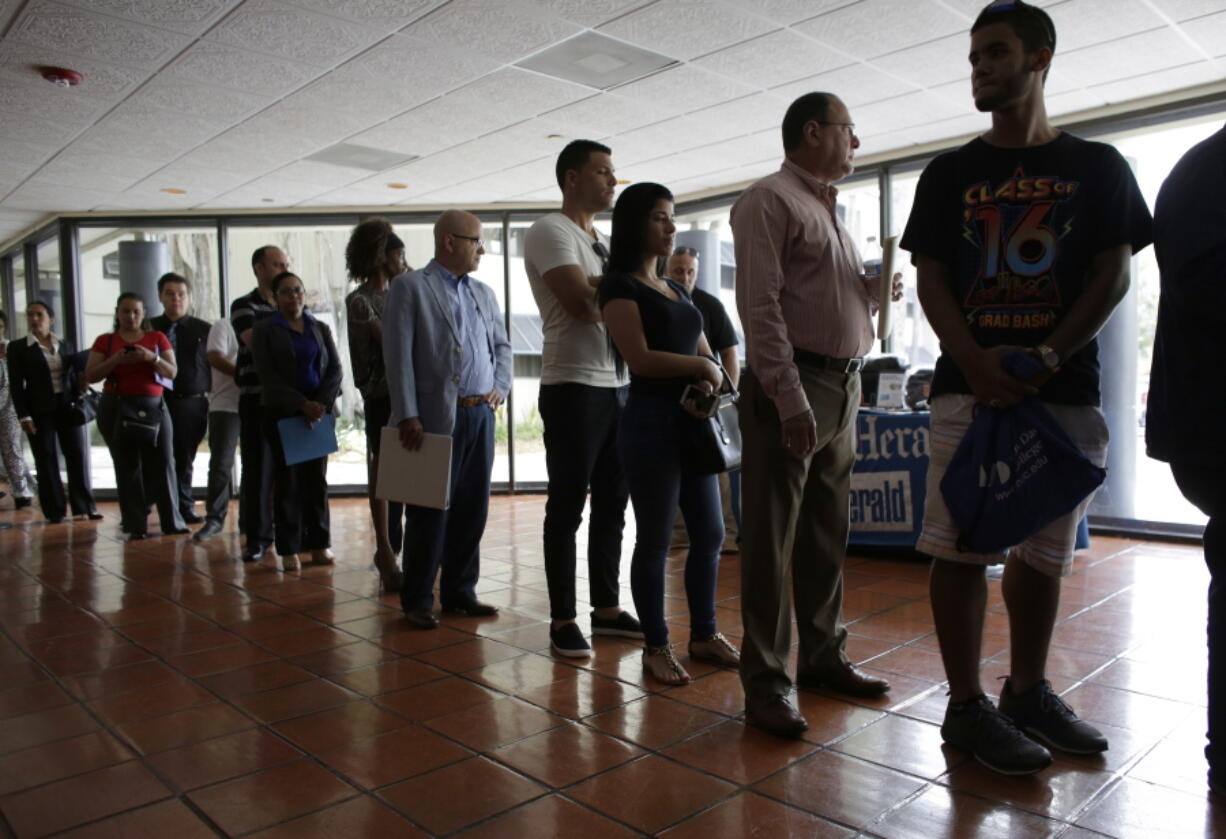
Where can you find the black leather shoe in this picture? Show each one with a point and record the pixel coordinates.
(94, 516)
(776, 714)
(474, 608)
(848, 680)
(175, 531)
(136, 537)
(211, 528)
(255, 554)
(421, 619)
(192, 518)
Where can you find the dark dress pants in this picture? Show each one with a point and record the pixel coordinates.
(451, 538)
(46, 443)
(300, 499)
(144, 472)
(1201, 483)
(255, 493)
(794, 516)
(378, 411)
(581, 452)
(190, 416)
(223, 440)
(651, 440)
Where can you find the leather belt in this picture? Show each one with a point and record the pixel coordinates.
(469, 401)
(825, 362)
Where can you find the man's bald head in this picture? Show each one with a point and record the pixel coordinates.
(457, 241)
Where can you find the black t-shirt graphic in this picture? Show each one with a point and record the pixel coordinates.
(1019, 229)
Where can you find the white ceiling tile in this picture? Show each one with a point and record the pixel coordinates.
(605, 114)
(544, 195)
(762, 145)
(788, 12)
(875, 27)
(1074, 101)
(298, 129)
(431, 127)
(326, 176)
(139, 123)
(94, 179)
(104, 83)
(67, 29)
(52, 198)
(281, 190)
(858, 84)
(385, 14)
(217, 105)
(462, 196)
(937, 130)
(1084, 24)
(74, 161)
(504, 30)
(589, 13)
(511, 95)
(243, 151)
(359, 104)
(1162, 81)
(197, 180)
(1126, 57)
(1209, 32)
(684, 88)
(687, 28)
(208, 62)
(26, 97)
(428, 67)
(355, 195)
(18, 218)
(190, 17)
(906, 111)
(1187, 9)
(23, 128)
(291, 32)
(773, 59)
(937, 62)
(152, 200)
(748, 115)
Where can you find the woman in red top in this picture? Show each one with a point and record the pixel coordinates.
(133, 418)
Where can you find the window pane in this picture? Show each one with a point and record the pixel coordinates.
(526, 342)
(913, 338)
(188, 251)
(48, 281)
(17, 323)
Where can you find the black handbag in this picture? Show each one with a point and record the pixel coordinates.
(715, 445)
(80, 409)
(139, 420)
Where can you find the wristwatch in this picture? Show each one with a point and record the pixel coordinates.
(1049, 357)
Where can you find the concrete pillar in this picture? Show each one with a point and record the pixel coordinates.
(140, 265)
(706, 242)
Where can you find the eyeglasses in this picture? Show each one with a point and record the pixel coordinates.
(480, 242)
(683, 251)
(850, 126)
(601, 251)
(289, 291)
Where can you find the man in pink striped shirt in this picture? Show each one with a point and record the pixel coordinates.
(807, 312)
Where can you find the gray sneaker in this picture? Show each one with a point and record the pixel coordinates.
(1042, 714)
(977, 727)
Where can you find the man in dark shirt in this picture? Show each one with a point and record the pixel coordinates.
(188, 400)
(721, 337)
(1183, 423)
(256, 484)
(1022, 239)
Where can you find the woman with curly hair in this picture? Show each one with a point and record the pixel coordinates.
(374, 255)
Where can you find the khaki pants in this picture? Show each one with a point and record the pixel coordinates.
(794, 525)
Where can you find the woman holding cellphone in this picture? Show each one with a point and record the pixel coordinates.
(657, 332)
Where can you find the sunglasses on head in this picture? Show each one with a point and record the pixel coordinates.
(683, 251)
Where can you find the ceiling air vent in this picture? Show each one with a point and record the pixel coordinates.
(596, 60)
(361, 157)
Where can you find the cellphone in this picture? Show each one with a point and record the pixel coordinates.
(700, 400)
(129, 348)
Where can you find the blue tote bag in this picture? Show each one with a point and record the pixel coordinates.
(1015, 472)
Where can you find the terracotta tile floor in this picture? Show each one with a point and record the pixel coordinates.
(163, 689)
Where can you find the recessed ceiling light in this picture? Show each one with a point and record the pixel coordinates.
(397, 186)
(622, 183)
(267, 200)
(174, 190)
(553, 136)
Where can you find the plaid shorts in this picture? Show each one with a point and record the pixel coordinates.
(1050, 551)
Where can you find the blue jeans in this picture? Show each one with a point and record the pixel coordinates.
(451, 539)
(650, 441)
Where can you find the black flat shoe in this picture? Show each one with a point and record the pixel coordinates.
(175, 531)
(474, 608)
(136, 537)
(255, 554)
(192, 518)
(94, 516)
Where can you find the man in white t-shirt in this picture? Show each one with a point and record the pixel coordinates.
(581, 398)
(222, 351)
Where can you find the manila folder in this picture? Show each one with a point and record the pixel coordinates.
(421, 478)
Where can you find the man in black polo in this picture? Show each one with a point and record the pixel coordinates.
(256, 486)
(188, 400)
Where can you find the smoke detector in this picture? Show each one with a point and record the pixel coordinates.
(62, 76)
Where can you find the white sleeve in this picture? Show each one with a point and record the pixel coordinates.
(548, 245)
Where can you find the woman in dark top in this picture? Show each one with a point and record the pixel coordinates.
(373, 256)
(42, 379)
(300, 373)
(134, 362)
(657, 333)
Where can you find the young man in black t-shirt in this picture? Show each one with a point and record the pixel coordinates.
(1022, 239)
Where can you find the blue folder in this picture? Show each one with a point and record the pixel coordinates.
(301, 442)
